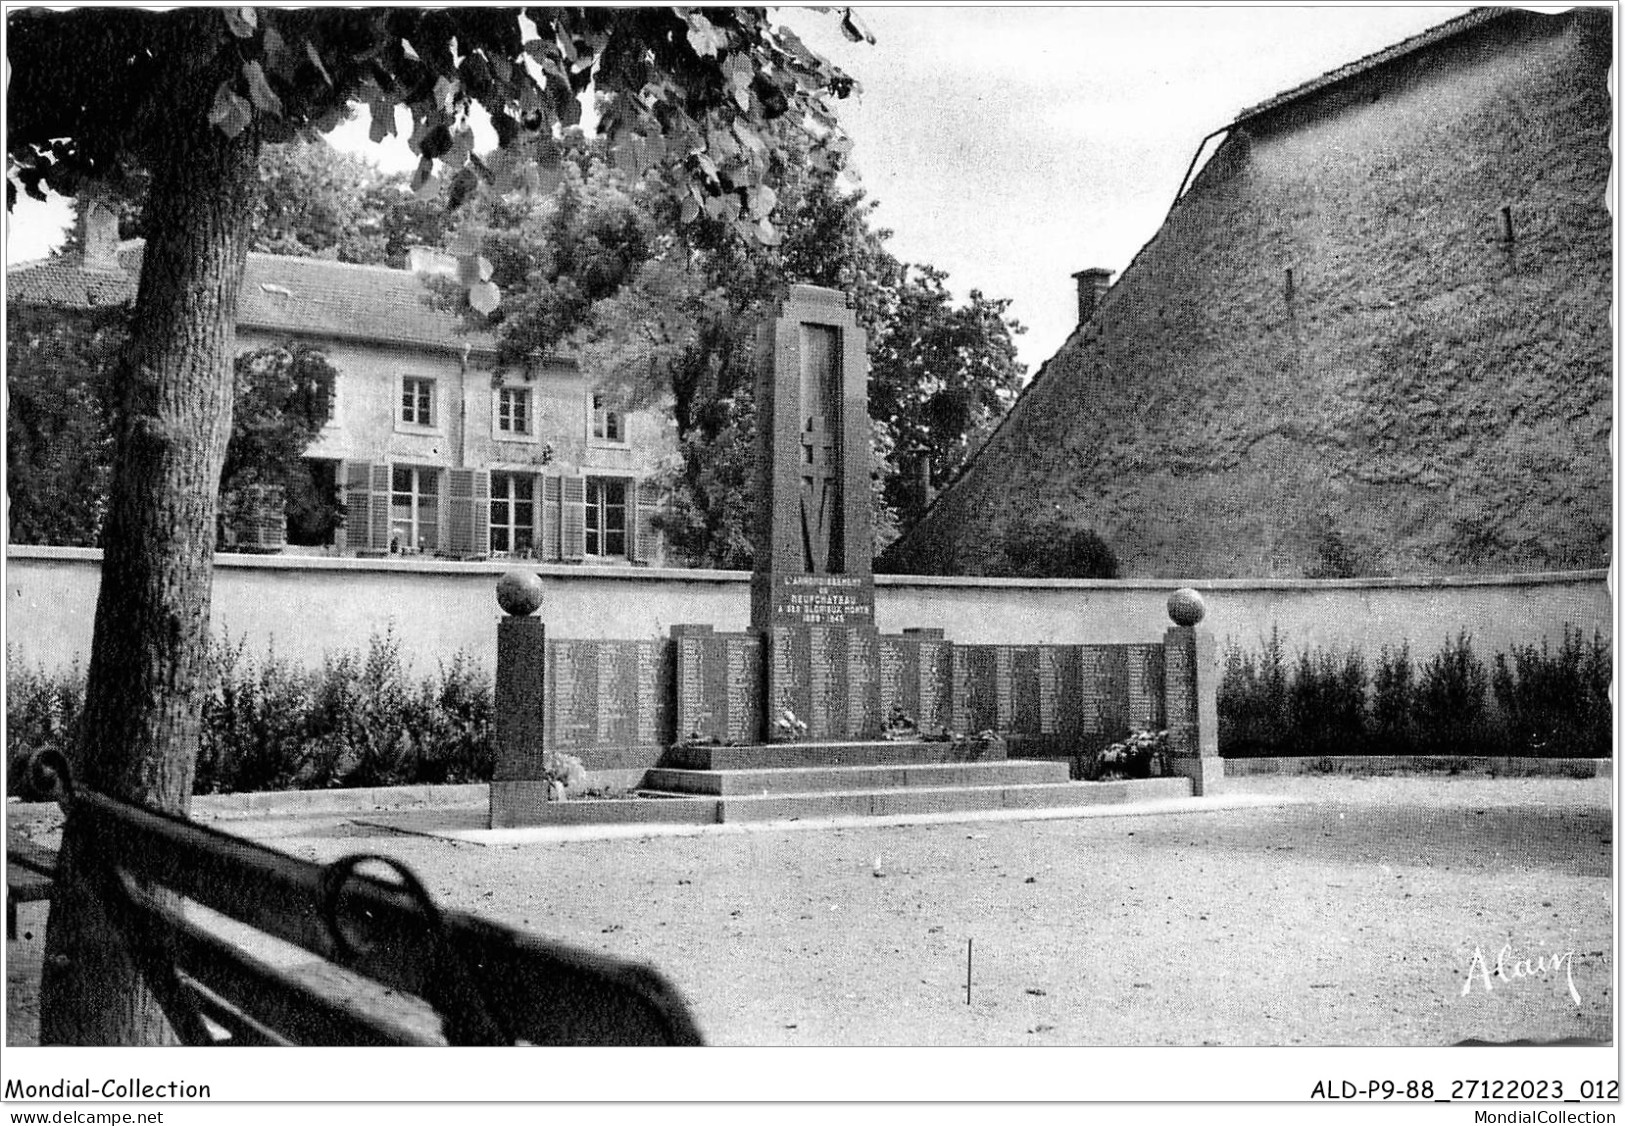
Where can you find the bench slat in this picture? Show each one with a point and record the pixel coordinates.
(541, 991)
(230, 983)
(38, 860)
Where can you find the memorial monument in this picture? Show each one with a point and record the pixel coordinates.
(812, 683)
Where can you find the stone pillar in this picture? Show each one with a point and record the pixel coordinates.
(814, 459)
(520, 701)
(812, 593)
(1192, 694)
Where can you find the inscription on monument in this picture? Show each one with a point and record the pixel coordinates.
(829, 676)
(899, 676)
(916, 677)
(647, 670)
(604, 694)
(1145, 686)
(863, 719)
(573, 668)
(826, 656)
(719, 685)
(1050, 658)
(823, 600)
(936, 712)
(1089, 702)
(976, 687)
(1026, 691)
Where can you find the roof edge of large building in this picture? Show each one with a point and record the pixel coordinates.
(1478, 17)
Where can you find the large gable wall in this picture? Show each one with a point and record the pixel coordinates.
(1437, 398)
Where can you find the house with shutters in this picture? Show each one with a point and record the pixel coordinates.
(436, 451)
(1373, 336)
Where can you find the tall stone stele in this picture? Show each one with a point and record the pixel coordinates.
(812, 594)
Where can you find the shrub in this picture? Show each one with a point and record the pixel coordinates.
(1534, 702)
(1253, 701)
(43, 710)
(1327, 703)
(1393, 703)
(1053, 548)
(1450, 702)
(1556, 704)
(358, 719)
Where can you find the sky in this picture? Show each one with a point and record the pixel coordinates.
(1014, 146)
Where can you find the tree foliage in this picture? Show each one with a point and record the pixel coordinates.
(282, 401)
(189, 96)
(942, 378)
(1054, 549)
(313, 201)
(59, 421)
(664, 314)
(60, 366)
(693, 89)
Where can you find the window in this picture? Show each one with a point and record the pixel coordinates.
(414, 509)
(608, 425)
(513, 514)
(513, 410)
(417, 400)
(606, 517)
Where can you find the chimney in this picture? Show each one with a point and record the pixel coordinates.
(1092, 287)
(97, 229)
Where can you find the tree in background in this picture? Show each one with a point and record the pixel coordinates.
(942, 378)
(313, 201)
(664, 314)
(282, 400)
(317, 202)
(1053, 548)
(60, 366)
(190, 96)
(59, 421)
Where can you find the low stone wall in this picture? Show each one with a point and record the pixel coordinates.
(1498, 766)
(307, 606)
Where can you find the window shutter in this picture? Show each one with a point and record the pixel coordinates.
(366, 506)
(469, 521)
(573, 519)
(645, 540)
(357, 505)
(379, 516)
(482, 512)
(549, 538)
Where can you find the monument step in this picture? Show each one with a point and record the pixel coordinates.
(768, 756)
(947, 799)
(822, 779)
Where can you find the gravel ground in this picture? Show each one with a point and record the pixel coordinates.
(1350, 917)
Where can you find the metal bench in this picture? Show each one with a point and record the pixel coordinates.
(29, 871)
(161, 876)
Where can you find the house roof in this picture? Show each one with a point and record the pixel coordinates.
(63, 284)
(303, 296)
(1447, 30)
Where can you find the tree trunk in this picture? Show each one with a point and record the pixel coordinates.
(149, 655)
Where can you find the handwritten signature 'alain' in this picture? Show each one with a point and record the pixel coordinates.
(1509, 968)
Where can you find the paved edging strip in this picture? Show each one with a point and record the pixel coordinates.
(361, 800)
(532, 834)
(1491, 765)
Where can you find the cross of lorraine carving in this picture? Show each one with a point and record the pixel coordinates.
(817, 492)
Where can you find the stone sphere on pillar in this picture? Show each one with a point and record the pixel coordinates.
(519, 593)
(1186, 607)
